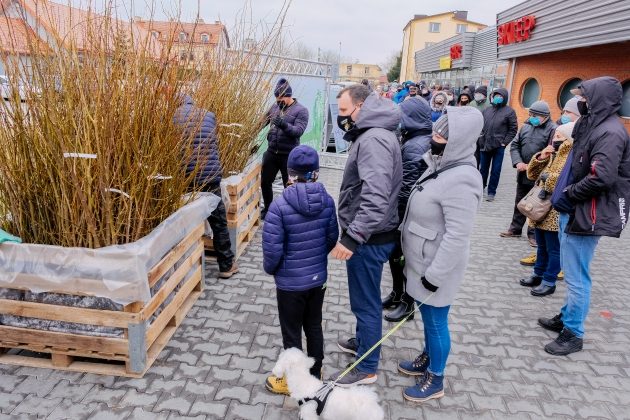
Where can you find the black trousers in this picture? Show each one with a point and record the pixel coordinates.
(398, 277)
(271, 164)
(518, 219)
(220, 234)
(303, 310)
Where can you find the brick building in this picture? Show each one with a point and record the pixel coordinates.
(552, 46)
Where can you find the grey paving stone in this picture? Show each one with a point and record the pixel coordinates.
(68, 409)
(241, 394)
(9, 401)
(141, 414)
(214, 409)
(37, 406)
(239, 411)
(179, 404)
(66, 390)
(140, 399)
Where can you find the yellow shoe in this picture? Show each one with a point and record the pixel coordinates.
(529, 261)
(277, 385)
(561, 275)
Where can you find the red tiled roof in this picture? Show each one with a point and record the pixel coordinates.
(15, 36)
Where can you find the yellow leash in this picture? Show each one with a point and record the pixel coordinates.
(385, 337)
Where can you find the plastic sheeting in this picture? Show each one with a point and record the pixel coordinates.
(118, 272)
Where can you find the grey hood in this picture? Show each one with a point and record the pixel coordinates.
(378, 112)
(464, 127)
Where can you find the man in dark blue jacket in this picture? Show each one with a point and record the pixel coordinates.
(288, 120)
(593, 197)
(201, 125)
(416, 129)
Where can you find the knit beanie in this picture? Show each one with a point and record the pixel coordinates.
(283, 89)
(441, 126)
(303, 163)
(540, 108)
(572, 106)
(483, 90)
(566, 130)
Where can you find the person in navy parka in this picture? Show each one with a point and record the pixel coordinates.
(205, 158)
(299, 231)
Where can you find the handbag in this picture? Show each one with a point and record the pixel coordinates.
(536, 205)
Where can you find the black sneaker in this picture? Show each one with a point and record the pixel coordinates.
(565, 344)
(554, 324)
(350, 345)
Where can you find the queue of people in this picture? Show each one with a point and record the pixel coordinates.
(411, 202)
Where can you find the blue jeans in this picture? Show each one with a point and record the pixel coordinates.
(437, 339)
(493, 158)
(365, 269)
(576, 254)
(547, 256)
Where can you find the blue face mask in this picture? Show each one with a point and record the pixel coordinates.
(535, 121)
(565, 119)
(497, 100)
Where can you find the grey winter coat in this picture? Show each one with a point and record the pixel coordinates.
(529, 141)
(368, 199)
(440, 216)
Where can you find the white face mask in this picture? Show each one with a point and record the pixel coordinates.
(479, 97)
(450, 98)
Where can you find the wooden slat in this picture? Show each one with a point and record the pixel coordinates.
(254, 221)
(234, 190)
(236, 206)
(67, 313)
(174, 255)
(173, 281)
(165, 316)
(245, 214)
(90, 367)
(64, 340)
(61, 360)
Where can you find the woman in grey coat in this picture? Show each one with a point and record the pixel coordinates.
(436, 239)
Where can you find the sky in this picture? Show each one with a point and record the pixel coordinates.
(369, 30)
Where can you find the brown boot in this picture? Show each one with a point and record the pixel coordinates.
(227, 274)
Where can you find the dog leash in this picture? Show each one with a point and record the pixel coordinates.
(385, 337)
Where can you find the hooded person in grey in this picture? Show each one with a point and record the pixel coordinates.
(368, 216)
(436, 234)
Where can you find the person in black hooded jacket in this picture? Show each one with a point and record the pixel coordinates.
(499, 129)
(592, 196)
(416, 130)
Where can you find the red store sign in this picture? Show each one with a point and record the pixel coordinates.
(517, 30)
(456, 51)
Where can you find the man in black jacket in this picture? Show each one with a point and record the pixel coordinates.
(534, 136)
(288, 120)
(593, 197)
(499, 129)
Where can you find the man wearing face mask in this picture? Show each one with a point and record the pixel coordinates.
(413, 92)
(438, 104)
(534, 136)
(499, 128)
(288, 120)
(570, 112)
(464, 98)
(425, 93)
(592, 196)
(480, 97)
(368, 216)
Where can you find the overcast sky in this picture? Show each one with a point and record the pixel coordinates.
(369, 30)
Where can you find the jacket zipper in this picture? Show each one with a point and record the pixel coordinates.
(593, 201)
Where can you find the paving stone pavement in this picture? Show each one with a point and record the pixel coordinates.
(216, 364)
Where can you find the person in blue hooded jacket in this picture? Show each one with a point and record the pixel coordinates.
(201, 125)
(400, 96)
(299, 231)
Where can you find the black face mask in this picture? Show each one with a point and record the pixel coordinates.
(281, 104)
(582, 107)
(556, 144)
(437, 148)
(345, 122)
(412, 94)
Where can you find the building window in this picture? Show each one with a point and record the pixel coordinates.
(429, 44)
(565, 91)
(434, 27)
(348, 70)
(625, 100)
(366, 70)
(461, 28)
(205, 38)
(530, 92)
(182, 37)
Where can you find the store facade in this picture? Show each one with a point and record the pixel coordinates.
(552, 46)
(466, 59)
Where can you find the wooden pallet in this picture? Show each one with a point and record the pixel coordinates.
(144, 338)
(243, 211)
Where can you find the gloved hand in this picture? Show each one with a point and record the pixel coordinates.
(428, 286)
(279, 122)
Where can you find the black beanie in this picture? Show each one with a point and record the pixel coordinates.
(283, 89)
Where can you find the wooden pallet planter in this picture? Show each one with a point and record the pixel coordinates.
(243, 211)
(145, 335)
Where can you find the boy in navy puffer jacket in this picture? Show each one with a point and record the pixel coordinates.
(300, 230)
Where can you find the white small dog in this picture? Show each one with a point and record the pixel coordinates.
(359, 402)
